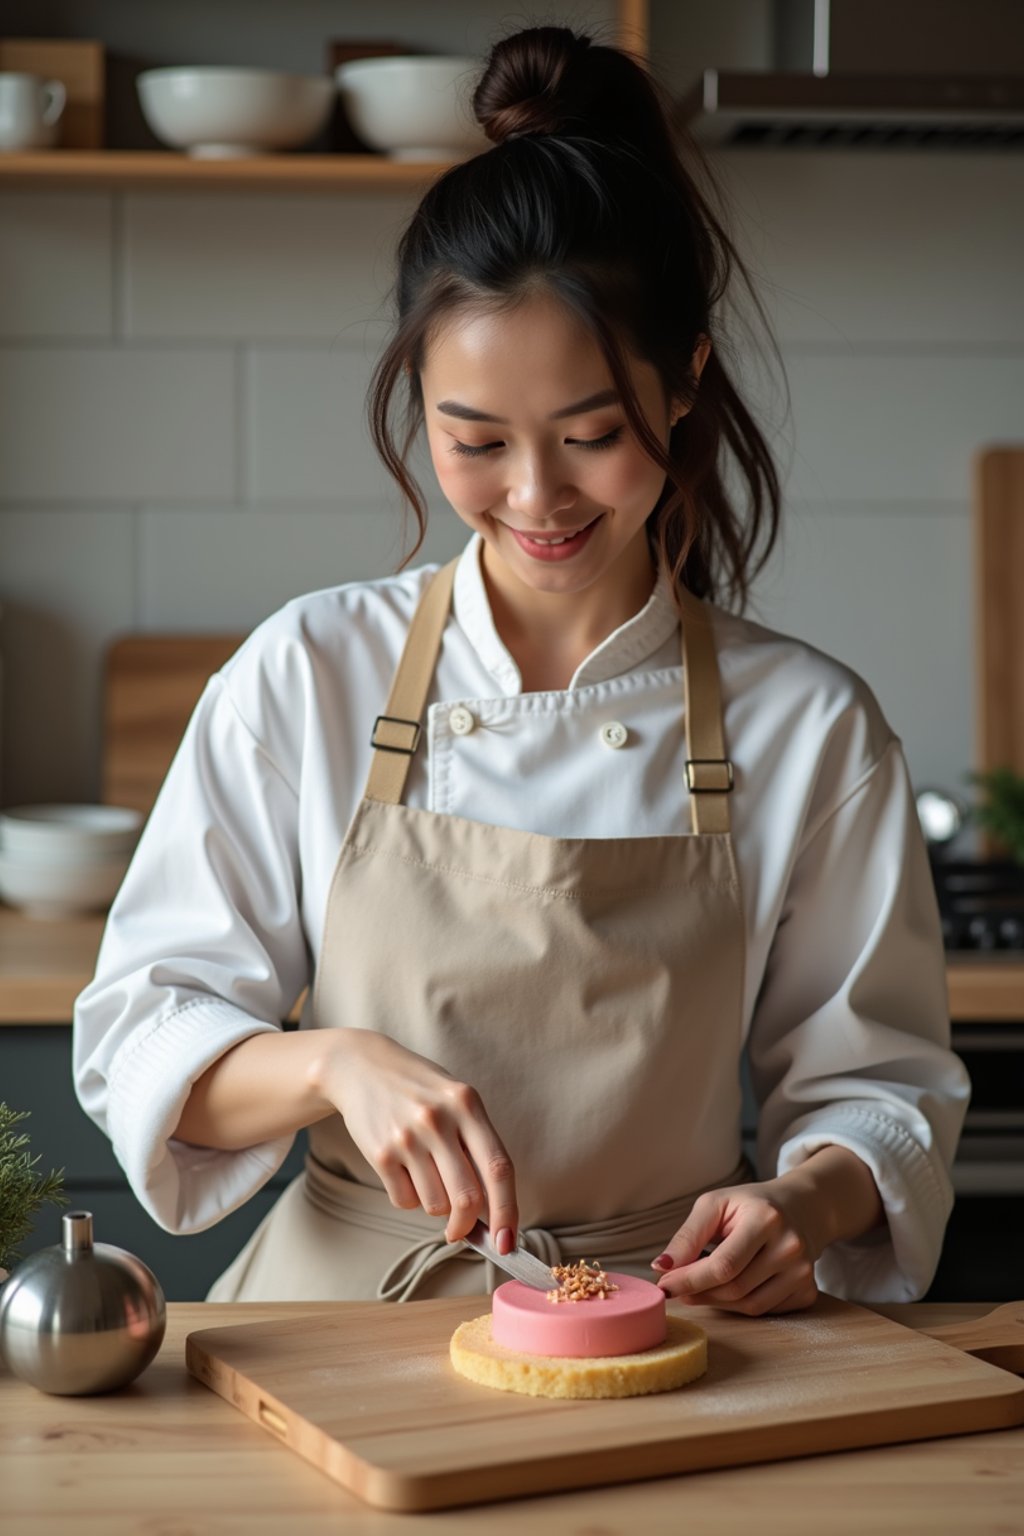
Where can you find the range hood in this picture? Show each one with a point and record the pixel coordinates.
(873, 74)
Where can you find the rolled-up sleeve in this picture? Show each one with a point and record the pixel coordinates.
(850, 1038)
(203, 947)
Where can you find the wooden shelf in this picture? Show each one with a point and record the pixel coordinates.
(117, 168)
(296, 171)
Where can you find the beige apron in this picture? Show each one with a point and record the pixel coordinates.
(589, 988)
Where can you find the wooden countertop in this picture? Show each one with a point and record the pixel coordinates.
(168, 1455)
(44, 965)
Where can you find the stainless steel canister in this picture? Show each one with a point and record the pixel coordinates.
(81, 1317)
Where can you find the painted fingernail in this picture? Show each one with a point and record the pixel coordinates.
(506, 1241)
(663, 1261)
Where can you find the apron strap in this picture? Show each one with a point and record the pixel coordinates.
(396, 733)
(709, 776)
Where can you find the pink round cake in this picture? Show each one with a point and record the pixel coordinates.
(624, 1322)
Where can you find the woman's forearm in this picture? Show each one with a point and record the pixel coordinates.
(265, 1086)
(840, 1191)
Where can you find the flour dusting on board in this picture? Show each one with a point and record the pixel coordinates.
(752, 1386)
(776, 1394)
(382, 1367)
(824, 1333)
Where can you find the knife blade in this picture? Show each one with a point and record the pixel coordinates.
(521, 1264)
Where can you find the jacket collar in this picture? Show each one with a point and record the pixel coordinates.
(630, 644)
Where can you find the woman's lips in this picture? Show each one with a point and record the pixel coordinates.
(565, 550)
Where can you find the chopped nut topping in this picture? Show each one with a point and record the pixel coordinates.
(580, 1282)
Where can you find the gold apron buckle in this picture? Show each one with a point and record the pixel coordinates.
(384, 746)
(697, 783)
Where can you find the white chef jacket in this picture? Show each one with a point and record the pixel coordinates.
(216, 927)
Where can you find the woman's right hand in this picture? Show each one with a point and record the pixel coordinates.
(427, 1135)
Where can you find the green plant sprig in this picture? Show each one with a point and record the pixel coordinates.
(22, 1192)
(1001, 812)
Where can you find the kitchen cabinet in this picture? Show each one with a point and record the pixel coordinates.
(35, 1075)
(43, 967)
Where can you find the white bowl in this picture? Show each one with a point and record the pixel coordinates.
(60, 890)
(414, 108)
(69, 834)
(220, 113)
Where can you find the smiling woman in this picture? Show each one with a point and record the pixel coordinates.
(551, 835)
(566, 554)
(588, 294)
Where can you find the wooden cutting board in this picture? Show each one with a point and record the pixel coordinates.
(367, 1393)
(999, 607)
(151, 684)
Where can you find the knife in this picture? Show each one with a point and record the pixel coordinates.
(520, 1263)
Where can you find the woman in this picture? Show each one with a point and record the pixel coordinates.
(552, 832)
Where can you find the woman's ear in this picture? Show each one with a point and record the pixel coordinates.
(700, 356)
(701, 353)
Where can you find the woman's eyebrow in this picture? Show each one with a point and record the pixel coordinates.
(467, 413)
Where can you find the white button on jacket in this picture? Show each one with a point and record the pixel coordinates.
(213, 933)
(613, 734)
(461, 720)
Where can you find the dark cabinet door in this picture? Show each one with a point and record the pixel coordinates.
(35, 1075)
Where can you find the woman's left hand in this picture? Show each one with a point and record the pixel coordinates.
(765, 1245)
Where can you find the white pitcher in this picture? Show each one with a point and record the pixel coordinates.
(30, 108)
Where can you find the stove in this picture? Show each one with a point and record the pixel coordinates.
(981, 903)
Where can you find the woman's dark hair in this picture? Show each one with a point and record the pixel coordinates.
(587, 197)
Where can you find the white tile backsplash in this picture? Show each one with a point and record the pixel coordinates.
(857, 249)
(218, 569)
(887, 589)
(67, 585)
(305, 432)
(252, 267)
(886, 427)
(115, 423)
(56, 266)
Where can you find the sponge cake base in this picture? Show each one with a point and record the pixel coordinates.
(682, 1358)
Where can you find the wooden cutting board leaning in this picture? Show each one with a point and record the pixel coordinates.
(151, 684)
(998, 532)
(368, 1394)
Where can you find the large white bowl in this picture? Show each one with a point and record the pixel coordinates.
(414, 108)
(218, 113)
(45, 889)
(69, 834)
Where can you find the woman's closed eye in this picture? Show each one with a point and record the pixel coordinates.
(594, 442)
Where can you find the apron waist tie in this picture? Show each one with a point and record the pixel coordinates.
(632, 1238)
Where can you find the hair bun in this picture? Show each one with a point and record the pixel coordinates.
(532, 83)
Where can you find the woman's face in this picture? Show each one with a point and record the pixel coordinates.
(558, 463)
